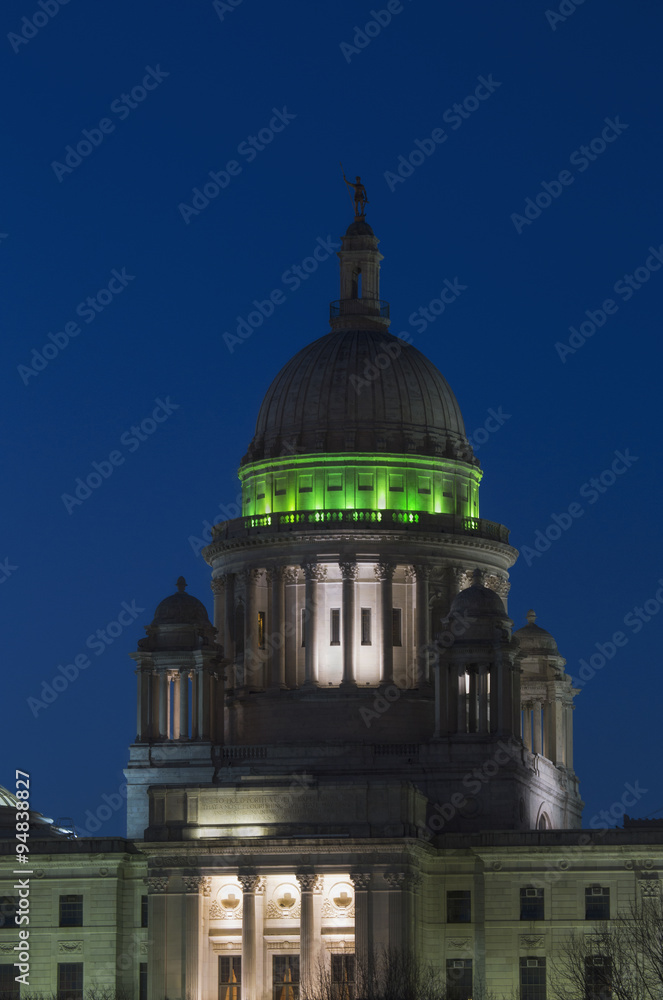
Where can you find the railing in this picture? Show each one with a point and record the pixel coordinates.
(281, 522)
(359, 307)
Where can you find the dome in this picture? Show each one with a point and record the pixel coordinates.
(478, 600)
(359, 228)
(534, 639)
(7, 798)
(181, 609)
(360, 391)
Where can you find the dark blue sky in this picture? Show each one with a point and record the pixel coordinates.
(208, 78)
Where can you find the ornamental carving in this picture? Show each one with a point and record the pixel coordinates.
(314, 572)
(532, 940)
(249, 883)
(309, 882)
(360, 880)
(459, 942)
(409, 573)
(462, 578)
(218, 585)
(70, 947)
(227, 905)
(157, 884)
(173, 861)
(395, 879)
(348, 570)
(498, 584)
(339, 901)
(198, 883)
(291, 574)
(650, 887)
(384, 571)
(276, 912)
(422, 573)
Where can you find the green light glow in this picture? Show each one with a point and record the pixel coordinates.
(360, 482)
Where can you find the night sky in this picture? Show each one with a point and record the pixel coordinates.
(504, 147)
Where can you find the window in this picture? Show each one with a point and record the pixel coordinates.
(531, 904)
(396, 627)
(285, 977)
(598, 977)
(334, 481)
(424, 484)
(143, 911)
(9, 988)
(366, 626)
(396, 483)
(447, 488)
(532, 979)
(459, 907)
(306, 484)
(459, 978)
(71, 911)
(70, 980)
(335, 627)
(8, 910)
(365, 481)
(142, 981)
(260, 494)
(230, 977)
(597, 903)
(280, 485)
(343, 977)
(261, 629)
(303, 626)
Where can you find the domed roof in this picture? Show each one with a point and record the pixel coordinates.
(359, 228)
(478, 600)
(7, 798)
(181, 609)
(534, 639)
(359, 391)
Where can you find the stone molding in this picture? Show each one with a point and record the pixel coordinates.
(384, 571)
(314, 571)
(349, 570)
(157, 884)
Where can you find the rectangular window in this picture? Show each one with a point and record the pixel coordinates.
(280, 486)
(70, 981)
(142, 981)
(306, 484)
(334, 481)
(424, 484)
(71, 911)
(598, 978)
(396, 483)
(335, 627)
(9, 988)
(597, 903)
(230, 977)
(531, 904)
(396, 627)
(343, 977)
(260, 494)
(366, 626)
(447, 488)
(143, 911)
(365, 481)
(8, 911)
(285, 977)
(459, 907)
(459, 978)
(261, 629)
(532, 979)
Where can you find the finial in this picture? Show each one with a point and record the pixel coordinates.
(181, 584)
(358, 196)
(531, 617)
(477, 578)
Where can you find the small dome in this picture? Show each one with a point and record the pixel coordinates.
(534, 639)
(181, 609)
(7, 798)
(359, 228)
(478, 600)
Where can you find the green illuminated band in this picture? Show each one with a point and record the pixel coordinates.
(359, 481)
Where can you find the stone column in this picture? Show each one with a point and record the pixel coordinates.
(249, 884)
(363, 918)
(184, 704)
(194, 885)
(473, 718)
(461, 699)
(163, 705)
(349, 576)
(308, 883)
(218, 586)
(313, 575)
(396, 882)
(277, 630)
(229, 620)
(568, 728)
(173, 685)
(156, 918)
(143, 720)
(452, 703)
(252, 664)
(482, 669)
(536, 713)
(384, 572)
(423, 624)
(202, 695)
(527, 725)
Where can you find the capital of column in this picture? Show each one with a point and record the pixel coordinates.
(275, 574)
(249, 883)
(348, 570)
(218, 585)
(314, 571)
(395, 879)
(251, 575)
(384, 571)
(157, 884)
(291, 574)
(422, 573)
(361, 880)
(309, 882)
(198, 884)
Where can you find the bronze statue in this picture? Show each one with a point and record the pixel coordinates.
(358, 195)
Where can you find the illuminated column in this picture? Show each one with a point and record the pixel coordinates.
(482, 669)
(144, 694)
(396, 882)
(423, 623)
(308, 884)
(461, 699)
(473, 721)
(249, 884)
(173, 685)
(363, 936)
(229, 616)
(385, 574)
(184, 704)
(277, 653)
(349, 575)
(202, 700)
(568, 726)
(163, 705)
(219, 590)
(313, 574)
(194, 885)
(156, 918)
(536, 741)
(252, 663)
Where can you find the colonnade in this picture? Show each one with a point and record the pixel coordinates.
(547, 729)
(478, 697)
(179, 703)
